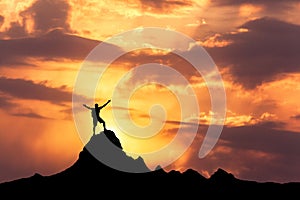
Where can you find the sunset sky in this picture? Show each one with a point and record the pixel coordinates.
(254, 44)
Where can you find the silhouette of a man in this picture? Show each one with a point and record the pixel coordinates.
(96, 115)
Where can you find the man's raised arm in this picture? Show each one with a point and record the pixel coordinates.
(105, 104)
(87, 106)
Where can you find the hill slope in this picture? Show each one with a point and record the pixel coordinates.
(89, 177)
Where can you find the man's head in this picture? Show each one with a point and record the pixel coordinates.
(96, 105)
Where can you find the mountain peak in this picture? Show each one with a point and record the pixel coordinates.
(222, 175)
(158, 167)
(107, 149)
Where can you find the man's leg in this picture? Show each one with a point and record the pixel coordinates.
(94, 126)
(103, 122)
(104, 125)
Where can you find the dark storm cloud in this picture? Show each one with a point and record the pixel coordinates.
(49, 14)
(54, 45)
(27, 89)
(165, 5)
(270, 48)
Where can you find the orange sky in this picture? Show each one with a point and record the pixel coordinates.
(255, 45)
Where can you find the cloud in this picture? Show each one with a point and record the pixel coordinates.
(163, 5)
(169, 59)
(267, 49)
(262, 138)
(123, 108)
(272, 124)
(178, 123)
(1, 20)
(30, 115)
(260, 144)
(250, 152)
(240, 2)
(40, 18)
(48, 15)
(5, 102)
(16, 30)
(54, 45)
(297, 117)
(28, 90)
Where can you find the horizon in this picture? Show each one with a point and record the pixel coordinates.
(47, 71)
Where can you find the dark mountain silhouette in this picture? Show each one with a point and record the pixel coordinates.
(88, 177)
